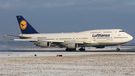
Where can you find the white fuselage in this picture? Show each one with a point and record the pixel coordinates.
(105, 37)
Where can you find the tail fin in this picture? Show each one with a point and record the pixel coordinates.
(25, 27)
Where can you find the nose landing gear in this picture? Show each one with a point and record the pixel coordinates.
(118, 47)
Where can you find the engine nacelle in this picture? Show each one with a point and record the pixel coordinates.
(44, 44)
(72, 45)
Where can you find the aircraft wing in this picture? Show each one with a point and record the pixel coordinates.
(25, 40)
(19, 36)
(34, 40)
(20, 39)
(89, 42)
(56, 41)
(6, 38)
(81, 42)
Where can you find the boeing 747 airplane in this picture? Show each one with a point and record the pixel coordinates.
(71, 41)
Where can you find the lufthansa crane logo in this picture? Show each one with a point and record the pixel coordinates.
(23, 24)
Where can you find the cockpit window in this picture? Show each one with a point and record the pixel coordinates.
(121, 31)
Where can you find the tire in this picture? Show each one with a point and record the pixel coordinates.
(81, 49)
(67, 49)
(118, 49)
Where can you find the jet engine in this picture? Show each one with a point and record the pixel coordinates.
(44, 44)
(72, 45)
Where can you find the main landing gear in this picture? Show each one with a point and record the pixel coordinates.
(82, 49)
(118, 47)
(73, 49)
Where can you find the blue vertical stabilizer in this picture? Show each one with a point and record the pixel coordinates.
(25, 27)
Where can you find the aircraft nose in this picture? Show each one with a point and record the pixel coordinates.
(130, 38)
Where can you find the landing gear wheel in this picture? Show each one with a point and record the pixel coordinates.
(82, 49)
(67, 49)
(118, 49)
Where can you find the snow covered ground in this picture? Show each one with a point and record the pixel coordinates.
(49, 51)
(41, 54)
(71, 64)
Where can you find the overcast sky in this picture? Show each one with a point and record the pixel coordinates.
(48, 16)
